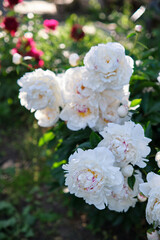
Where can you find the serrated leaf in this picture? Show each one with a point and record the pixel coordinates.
(131, 181)
(131, 35)
(135, 102)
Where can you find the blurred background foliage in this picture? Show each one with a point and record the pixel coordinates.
(34, 204)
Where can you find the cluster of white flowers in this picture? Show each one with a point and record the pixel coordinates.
(96, 95)
(93, 95)
(89, 172)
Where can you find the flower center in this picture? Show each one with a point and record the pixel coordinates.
(88, 179)
(83, 111)
(82, 88)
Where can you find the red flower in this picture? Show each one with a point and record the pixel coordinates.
(10, 24)
(50, 24)
(11, 3)
(27, 47)
(77, 32)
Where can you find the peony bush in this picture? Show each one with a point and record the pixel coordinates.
(100, 106)
(95, 95)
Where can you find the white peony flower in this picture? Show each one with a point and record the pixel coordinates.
(73, 59)
(47, 117)
(91, 175)
(73, 88)
(111, 64)
(153, 208)
(79, 115)
(151, 189)
(17, 58)
(153, 182)
(102, 105)
(127, 142)
(39, 90)
(125, 198)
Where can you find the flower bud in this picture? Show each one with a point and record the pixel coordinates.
(17, 58)
(138, 28)
(157, 157)
(73, 59)
(141, 197)
(127, 171)
(122, 111)
(152, 235)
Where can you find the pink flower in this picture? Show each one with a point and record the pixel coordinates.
(11, 3)
(10, 24)
(50, 24)
(77, 32)
(27, 47)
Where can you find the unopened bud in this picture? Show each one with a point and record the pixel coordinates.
(157, 157)
(138, 28)
(141, 197)
(17, 58)
(152, 235)
(122, 111)
(127, 171)
(73, 59)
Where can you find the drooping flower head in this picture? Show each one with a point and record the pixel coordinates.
(50, 24)
(39, 90)
(127, 142)
(11, 3)
(91, 175)
(77, 32)
(151, 189)
(110, 64)
(10, 24)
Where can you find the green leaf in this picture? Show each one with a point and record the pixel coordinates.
(46, 138)
(84, 146)
(135, 102)
(150, 230)
(94, 139)
(144, 46)
(148, 130)
(8, 223)
(58, 164)
(131, 35)
(131, 181)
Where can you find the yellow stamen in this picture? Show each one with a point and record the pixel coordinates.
(84, 113)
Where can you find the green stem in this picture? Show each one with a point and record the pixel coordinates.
(26, 65)
(135, 43)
